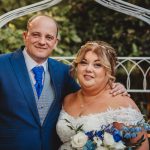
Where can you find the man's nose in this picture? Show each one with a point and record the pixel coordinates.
(42, 40)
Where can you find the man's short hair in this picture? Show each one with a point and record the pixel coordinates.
(40, 15)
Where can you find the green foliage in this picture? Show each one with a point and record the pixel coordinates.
(10, 39)
(80, 21)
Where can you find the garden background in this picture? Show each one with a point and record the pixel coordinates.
(83, 20)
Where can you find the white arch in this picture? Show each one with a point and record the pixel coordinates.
(127, 8)
(26, 10)
(117, 5)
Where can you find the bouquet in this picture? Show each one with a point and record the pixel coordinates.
(108, 138)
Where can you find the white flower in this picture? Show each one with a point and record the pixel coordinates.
(118, 145)
(102, 148)
(98, 141)
(79, 140)
(65, 146)
(108, 139)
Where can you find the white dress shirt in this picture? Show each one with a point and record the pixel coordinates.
(30, 63)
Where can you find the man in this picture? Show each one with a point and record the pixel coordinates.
(30, 98)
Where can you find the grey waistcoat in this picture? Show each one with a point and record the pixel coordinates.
(46, 98)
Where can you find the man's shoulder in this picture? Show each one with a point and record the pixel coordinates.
(6, 56)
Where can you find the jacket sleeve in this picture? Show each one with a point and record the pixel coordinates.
(71, 83)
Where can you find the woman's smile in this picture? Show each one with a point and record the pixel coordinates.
(88, 77)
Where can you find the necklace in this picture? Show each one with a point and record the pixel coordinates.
(81, 105)
(87, 104)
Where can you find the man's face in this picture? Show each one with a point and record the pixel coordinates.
(41, 38)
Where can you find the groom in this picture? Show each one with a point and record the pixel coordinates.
(32, 87)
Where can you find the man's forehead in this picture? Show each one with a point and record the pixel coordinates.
(46, 23)
(42, 18)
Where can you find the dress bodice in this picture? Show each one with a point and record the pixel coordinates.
(125, 115)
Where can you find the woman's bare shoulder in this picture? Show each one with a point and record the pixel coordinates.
(124, 101)
(69, 98)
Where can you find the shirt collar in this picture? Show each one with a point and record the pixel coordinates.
(32, 63)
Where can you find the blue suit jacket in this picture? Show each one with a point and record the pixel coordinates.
(20, 127)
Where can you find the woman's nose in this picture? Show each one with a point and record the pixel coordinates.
(89, 67)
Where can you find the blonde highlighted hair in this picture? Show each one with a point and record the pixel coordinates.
(106, 54)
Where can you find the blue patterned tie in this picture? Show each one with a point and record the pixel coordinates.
(38, 74)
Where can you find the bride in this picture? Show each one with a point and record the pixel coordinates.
(93, 109)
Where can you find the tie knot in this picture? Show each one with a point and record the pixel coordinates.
(38, 69)
(38, 72)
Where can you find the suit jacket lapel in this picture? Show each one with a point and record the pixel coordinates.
(19, 66)
(53, 69)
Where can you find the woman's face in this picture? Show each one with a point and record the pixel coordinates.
(90, 73)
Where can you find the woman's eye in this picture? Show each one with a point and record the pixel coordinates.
(97, 65)
(83, 62)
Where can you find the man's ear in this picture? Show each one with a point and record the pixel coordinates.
(24, 35)
(57, 40)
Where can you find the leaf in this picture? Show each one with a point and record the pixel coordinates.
(79, 128)
(67, 120)
(70, 127)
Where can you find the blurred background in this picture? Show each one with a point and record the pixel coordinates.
(83, 20)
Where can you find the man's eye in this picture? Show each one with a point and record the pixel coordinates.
(35, 35)
(50, 37)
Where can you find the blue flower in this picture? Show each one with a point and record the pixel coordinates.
(138, 129)
(147, 126)
(89, 145)
(90, 134)
(117, 136)
(133, 135)
(100, 134)
(127, 135)
(124, 128)
(132, 129)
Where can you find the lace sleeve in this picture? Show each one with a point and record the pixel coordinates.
(125, 115)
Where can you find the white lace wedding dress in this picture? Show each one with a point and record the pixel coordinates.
(125, 115)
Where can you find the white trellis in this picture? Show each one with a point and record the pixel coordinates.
(117, 5)
(26, 10)
(127, 8)
(135, 65)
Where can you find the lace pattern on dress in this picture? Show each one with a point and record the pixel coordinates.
(126, 115)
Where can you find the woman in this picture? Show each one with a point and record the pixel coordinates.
(92, 115)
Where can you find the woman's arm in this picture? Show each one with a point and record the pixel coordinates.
(144, 145)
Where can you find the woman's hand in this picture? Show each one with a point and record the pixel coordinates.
(118, 88)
